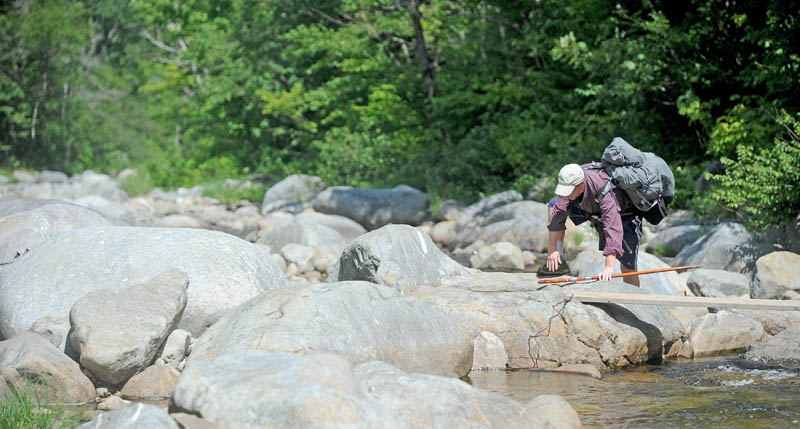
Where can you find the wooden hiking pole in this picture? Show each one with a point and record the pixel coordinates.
(632, 273)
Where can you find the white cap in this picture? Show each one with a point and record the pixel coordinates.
(570, 176)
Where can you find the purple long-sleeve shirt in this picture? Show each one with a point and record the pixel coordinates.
(608, 210)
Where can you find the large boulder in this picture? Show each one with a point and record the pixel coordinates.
(30, 222)
(374, 208)
(723, 332)
(308, 234)
(776, 273)
(347, 228)
(423, 400)
(224, 271)
(395, 255)
(258, 388)
(31, 356)
(726, 247)
(529, 233)
(360, 320)
(118, 334)
(291, 193)
(671, 241)
(718, 283)
(781, 350)
(541, 326)
(664, 283)
(476, 215)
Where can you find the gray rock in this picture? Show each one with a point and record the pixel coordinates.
(423, 400)
(540, 327)
(781, 350)
(136, 416)
(665, 283)
(347, 228)
(297, 188)
(174, 350)
(443, 232)
(154, 383)
(374, 208)
(502, 255)
(53, 330)
(180, 221)
(529, 233)
(717, 283)
(554, 410)
(723, 248)
(119, 334)
(101, 185)
(299, 232)
(723, 332)
(25, 229)
(517, 210)
(397, 255)
(301, 256)
(489, 352)
(33, 357)
(251, 388)
(360, 320)
(473, 217)
(224, 271)
(189, 421)
(23, 176)
(449, 210)
(773, 322)
(776, 273)
(53, 176)
(671, 241)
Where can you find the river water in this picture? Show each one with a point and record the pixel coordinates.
(684, 394)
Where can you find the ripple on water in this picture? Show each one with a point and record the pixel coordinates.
(701, 393)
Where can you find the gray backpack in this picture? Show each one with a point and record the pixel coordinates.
(644, 177)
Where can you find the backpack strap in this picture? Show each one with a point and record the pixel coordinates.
(610, 185)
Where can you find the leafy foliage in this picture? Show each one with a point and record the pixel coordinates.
(460, 99)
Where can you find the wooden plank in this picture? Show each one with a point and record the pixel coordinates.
(685, 301)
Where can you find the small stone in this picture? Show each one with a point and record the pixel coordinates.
(113, 403)
(102, 392)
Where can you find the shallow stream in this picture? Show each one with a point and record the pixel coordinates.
(698, 394)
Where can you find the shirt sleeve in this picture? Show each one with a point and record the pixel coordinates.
(558, 222)
(612, 225)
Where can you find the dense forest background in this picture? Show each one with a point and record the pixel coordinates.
(457, 98)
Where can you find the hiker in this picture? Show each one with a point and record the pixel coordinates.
(619, 233)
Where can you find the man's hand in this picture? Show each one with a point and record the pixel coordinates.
(605, 274)
(553, 260)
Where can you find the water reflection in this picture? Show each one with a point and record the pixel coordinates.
(704, 393)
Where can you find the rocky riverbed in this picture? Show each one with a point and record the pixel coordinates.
(330, 305)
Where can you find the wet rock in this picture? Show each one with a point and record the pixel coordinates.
(781, 350)
(554, 410)
(360, 320)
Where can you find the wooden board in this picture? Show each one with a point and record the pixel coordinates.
(685, 301)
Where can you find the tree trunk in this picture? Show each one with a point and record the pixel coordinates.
(422, 50)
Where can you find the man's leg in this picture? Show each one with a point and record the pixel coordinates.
(632, 233)
(631, 280)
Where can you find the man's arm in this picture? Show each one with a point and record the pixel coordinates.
(558, 223)
(612, 227)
